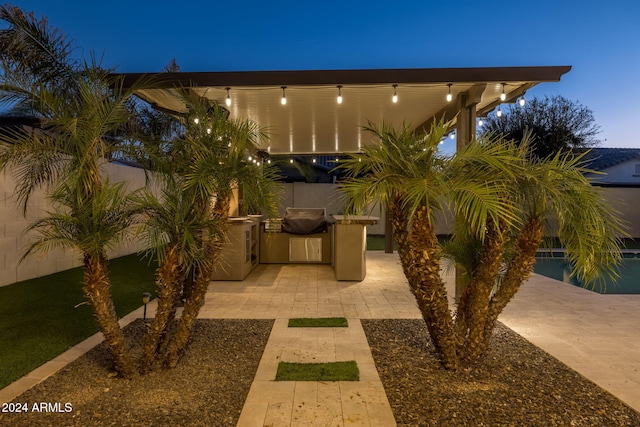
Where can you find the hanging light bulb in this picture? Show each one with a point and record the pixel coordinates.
(228, 100)
(449, 96)
(499, 113)
(313, 160)
(196, 120)
(339, 94)
(290, 160)
(395, 94)
(480, 123)
(250, 158)
(522, 101)
(268, 161)
(503, 95)
(258, 164)
(283, 101)
(208, 131)
(452, 135)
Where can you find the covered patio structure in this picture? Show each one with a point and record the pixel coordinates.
(322, 112)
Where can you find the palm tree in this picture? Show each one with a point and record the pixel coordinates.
(501, 200)
(548, 191)
(197, 169)
(66, 157)
(82, 110)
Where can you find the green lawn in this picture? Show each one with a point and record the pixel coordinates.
(41, 318)
(329, 371)
(318, 322)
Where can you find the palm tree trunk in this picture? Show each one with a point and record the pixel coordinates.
(429, 289)
(97, 290)
(169, 286)
(473, 307)
(519, 269)
(200, 286)
(192, 307)
(400, 220)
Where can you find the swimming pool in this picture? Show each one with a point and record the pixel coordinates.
(628, 283)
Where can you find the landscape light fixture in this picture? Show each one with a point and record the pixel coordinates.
(339, 94)
(449, 96)
(503, 95)
(395, 94)
(283, 101)
(228, 100)
(146, 297)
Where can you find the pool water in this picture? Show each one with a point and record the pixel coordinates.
(628, 283)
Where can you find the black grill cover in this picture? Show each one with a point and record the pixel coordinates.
(304, 220)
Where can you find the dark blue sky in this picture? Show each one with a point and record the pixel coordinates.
(601, 40)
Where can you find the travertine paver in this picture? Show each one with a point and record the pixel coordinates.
(596, 335)
(311, 403)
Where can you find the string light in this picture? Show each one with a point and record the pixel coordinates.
(196, 120)
(268, 161)
(339, 94)
(283, 101)
(499, 113)
(522, 101)
(503, 95)
(290, 160)
(480, 122)
(395, 94)
(228, 100)
(452, 135)
(314, 160)
(449, 96)
(208, 131)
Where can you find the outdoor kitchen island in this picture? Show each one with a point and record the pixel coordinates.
(302, 236)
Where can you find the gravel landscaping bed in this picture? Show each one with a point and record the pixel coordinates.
(208, 388)
(517, 384)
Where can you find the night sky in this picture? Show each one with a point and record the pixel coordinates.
(601, 40)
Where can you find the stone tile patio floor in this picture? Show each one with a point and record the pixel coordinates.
(596, 335)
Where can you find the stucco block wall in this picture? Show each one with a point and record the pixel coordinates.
(625, 200)
(14, 240)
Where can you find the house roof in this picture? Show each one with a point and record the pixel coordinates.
(312, 121)
(600, 159)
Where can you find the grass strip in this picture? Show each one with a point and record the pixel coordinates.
(42, 317)
(330, 371)
(321, 322)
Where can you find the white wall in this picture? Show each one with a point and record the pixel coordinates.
(625, 200)
(304, 195)
(14, 241)
(623, 173)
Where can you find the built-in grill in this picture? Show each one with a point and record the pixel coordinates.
(304, 220)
